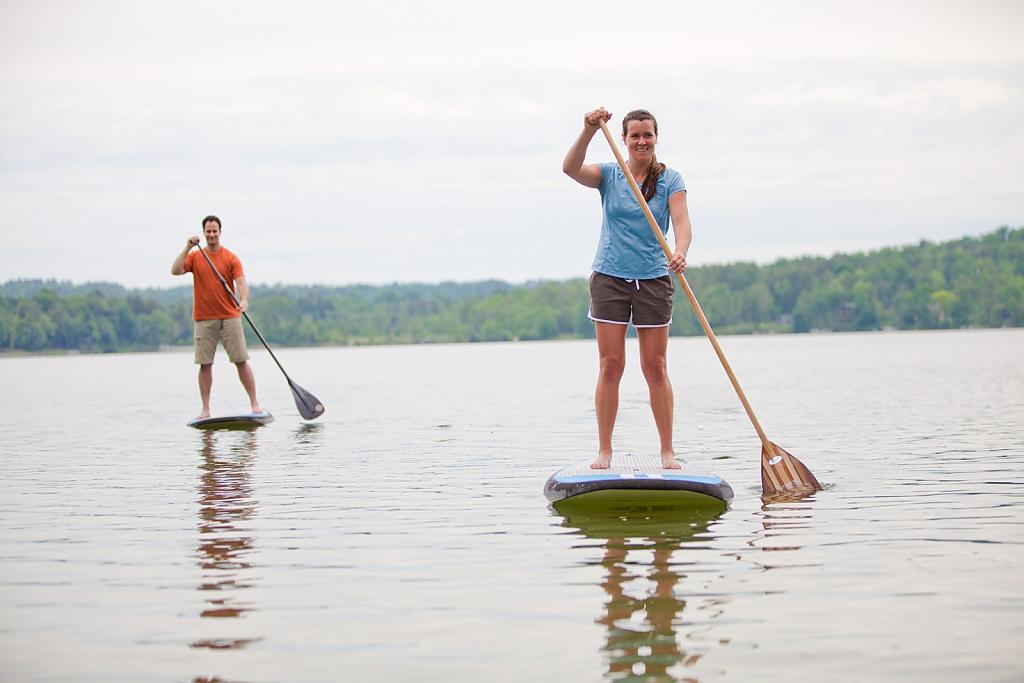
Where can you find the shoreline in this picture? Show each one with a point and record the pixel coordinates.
(167, 348)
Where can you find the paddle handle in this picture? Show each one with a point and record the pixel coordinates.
(686, 286)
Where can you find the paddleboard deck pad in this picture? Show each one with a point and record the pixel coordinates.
(246, 421)
(639, 478)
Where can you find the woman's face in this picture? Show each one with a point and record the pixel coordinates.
(640, 139)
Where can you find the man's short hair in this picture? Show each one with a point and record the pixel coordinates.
(214, 219)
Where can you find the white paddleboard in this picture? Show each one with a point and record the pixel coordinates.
(246, 421)
(639, 478)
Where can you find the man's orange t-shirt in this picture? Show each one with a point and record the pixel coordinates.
(210, 301)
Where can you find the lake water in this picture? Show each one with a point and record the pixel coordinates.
(404, 536)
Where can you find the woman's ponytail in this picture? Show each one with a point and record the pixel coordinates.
(650, 185)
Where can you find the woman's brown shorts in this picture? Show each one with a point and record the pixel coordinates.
(645, 303)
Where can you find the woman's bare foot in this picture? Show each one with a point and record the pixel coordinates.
(668, 461)
(256, 410)
(203, 414)
(603, 462)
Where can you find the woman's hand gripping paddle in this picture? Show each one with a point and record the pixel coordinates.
(309, 405)
(781, 472)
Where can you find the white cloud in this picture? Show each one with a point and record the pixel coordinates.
(349, 143)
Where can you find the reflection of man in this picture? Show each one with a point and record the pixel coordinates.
(217, 317)
(227, 502)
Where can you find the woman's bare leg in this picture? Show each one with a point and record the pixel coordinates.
(653, 347)
(611, 348)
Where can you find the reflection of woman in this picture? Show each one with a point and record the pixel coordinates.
(631, 281)
(635, 647)
(641, 619)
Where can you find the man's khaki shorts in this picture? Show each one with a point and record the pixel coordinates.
(645, 303)
(228, 331)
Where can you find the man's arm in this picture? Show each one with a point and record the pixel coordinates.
(243, 294)
(178, 265)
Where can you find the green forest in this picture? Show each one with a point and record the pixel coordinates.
(970, 282)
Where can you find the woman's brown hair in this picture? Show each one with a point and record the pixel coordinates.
(655, 170)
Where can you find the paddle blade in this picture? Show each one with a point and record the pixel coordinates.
(309, 405)
(781, 472)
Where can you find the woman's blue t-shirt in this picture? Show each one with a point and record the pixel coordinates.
(628, 248)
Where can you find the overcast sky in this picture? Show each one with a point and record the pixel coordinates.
(422, 141)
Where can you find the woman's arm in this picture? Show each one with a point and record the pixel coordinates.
(682, 231)
(572, 165)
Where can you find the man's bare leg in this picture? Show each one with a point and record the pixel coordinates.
(611, 348)
(248, 380)
(653, 347)
(205, 384)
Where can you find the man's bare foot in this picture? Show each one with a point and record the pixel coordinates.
(668, 461)
(256, 408)
(603, 462)
(204, 413)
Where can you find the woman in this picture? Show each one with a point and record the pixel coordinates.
(631, 280)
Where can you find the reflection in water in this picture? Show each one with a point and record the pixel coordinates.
(226, 503)
(783, 516)
(308, 432)
(643, 550)
(308, 438)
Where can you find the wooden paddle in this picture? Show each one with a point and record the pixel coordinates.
(781, 472)
(309, 405)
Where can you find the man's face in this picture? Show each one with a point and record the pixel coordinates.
(212, 233)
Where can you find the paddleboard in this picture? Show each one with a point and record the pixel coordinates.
(636, 479)
(246, 421)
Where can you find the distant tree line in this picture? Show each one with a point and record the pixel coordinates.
(971, 282)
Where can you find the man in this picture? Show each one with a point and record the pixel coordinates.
(216, 315)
